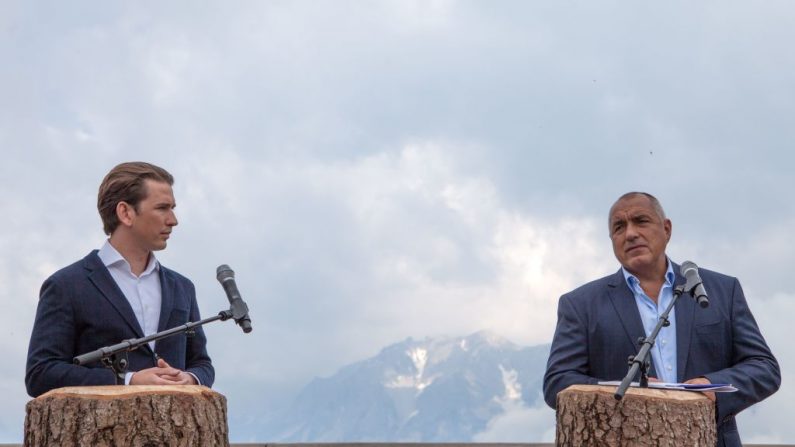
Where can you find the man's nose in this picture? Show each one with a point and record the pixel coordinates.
(172, 220)
(631, 232)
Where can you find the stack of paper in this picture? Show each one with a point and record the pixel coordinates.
(714, 387)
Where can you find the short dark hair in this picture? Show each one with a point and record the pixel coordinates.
(125, 183)
(654, 203)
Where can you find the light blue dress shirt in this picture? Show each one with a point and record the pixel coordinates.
(663, 353)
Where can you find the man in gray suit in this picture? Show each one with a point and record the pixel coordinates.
(599, 323)
(120, 292)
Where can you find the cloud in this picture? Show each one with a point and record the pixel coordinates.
(754, 256)
(394, 169)
(418, 248)
(519, 423)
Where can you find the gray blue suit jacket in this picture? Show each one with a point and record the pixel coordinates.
(599, 325)
(82, 309)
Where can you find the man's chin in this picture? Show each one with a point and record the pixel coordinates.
(639, 264)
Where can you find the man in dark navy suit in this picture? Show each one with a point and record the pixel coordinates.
(599, 323)
(120, 292)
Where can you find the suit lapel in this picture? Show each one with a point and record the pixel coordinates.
(167, 298)
(99, 275)
(627, 310)
(685, 307)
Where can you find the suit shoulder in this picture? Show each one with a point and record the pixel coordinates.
(176, 276)
(75, 269)
(707, 274)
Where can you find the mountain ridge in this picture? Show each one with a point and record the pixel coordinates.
(437, 389)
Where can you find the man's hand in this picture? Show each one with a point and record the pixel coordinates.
(703, 381)
(162, 374)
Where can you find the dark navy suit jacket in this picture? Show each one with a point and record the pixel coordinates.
(599, 325)
(82, 309)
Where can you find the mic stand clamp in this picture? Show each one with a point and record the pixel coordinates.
(643, 366)
(118, 364)
(115, 356)
(641, 361)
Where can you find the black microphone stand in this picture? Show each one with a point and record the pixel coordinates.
(115, 356)
(640, 361)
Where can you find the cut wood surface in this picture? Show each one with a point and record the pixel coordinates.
(590, 415)
(97, 416)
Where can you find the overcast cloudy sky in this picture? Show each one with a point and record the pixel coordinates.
(374, 170)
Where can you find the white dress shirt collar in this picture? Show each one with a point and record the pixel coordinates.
(111, 257)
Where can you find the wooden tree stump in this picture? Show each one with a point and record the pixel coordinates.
(590, 415)
(99, 416)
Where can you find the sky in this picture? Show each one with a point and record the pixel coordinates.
(374, 170)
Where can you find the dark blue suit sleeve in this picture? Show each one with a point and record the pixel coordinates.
(52, 342)
(754, 370)
(568, 356)
(197, 361)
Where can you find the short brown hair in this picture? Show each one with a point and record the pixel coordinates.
(125, 183)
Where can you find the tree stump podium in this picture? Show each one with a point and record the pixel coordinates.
(590, 415)
(98, 416)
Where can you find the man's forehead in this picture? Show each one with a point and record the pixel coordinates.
(160, 191)
(623, 213)
(631, 207)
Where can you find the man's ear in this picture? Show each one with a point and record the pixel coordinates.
(668, 228)
(125, 213)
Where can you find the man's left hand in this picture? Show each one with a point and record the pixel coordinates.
(181, 378)
(703, 381)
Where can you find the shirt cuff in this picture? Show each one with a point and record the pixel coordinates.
(198, 382)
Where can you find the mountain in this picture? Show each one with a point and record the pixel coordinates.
(432, 390)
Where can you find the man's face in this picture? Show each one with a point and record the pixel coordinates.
(154, 217)
(639, 235)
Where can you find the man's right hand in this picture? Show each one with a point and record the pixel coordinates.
(162, 374)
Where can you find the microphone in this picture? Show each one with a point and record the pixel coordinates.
(226, 276)
(694, 284)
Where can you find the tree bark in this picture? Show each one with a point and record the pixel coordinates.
(590, 415)
(99, 416)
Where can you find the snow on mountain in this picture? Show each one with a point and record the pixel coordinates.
(433, 390)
